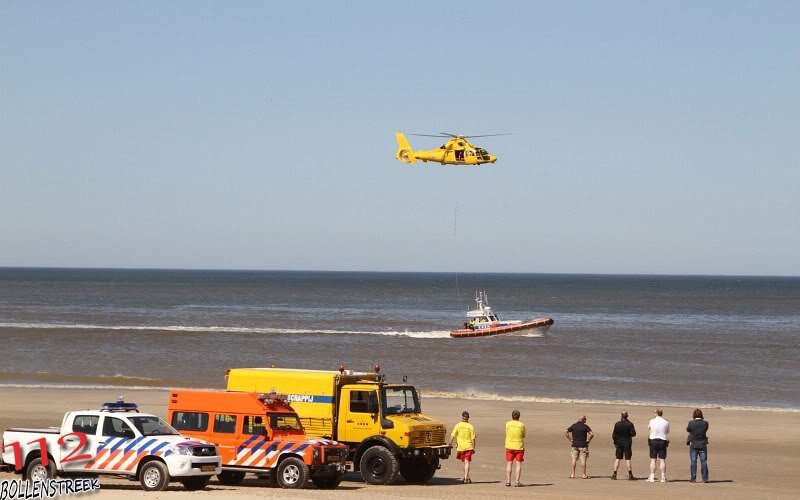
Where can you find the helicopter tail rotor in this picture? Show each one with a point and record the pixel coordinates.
(404, 152)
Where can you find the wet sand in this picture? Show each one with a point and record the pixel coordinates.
(752, 454)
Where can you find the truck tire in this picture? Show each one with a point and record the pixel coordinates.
(378, 465)
(154, 476)
(36, 470)
(327, 480)
(292, 473)
(195, 483)
(230, 477)
(418, 471)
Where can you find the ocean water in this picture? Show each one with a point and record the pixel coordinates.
(711, 341)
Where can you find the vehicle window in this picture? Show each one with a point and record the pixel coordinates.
(359, 401)
(116, 427)
(225, 423)
(152, 426)
(400, 400)
(86, 424)
(285, 422)
(189, 421)
(253, 424)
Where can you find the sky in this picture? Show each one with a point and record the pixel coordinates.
(656, 137)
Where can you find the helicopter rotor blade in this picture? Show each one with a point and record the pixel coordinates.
(429, 135)
(484, 135)
(454, 136)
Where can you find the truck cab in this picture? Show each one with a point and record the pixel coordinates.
(259, 434)
(382, 424)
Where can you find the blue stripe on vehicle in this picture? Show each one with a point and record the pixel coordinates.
(120, 443)
(132, 444)
(163, 444)
(249, 440)
(287, 447)
(259, 445)
(108, 442)
(145, 445)
(301, 448)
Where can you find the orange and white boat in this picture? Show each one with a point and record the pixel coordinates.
(483, 322)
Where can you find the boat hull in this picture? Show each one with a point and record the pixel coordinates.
(541, 323)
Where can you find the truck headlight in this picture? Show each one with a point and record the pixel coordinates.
(180, 450)
(315, 456)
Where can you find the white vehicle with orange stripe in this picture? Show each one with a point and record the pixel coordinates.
(114, 440)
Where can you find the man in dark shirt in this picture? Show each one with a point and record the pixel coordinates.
(579, 434)
(623, 434)
(698, 445)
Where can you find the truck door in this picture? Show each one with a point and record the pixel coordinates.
(75, 446)
(359, 416)
(226, 438)
(252, 443)
(115, 436)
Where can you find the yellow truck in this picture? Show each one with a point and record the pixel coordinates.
(382, 424)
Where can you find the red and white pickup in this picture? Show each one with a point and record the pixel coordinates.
(117, 439)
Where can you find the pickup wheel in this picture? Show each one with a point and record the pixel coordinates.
(195, 483)
(292, 473)
(154, 476)
(37, 471)
(418, 471)
(378, 465)
(230, 477)
(326, 480)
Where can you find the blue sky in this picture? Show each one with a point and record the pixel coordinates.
(648, 137)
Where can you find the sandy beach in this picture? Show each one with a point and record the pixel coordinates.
(745, 461)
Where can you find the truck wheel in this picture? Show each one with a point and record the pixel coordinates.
(154, 476)
(378, 465)
(292, 473)
(418, 471)
(230, 477)
(326, 480)
(195, 483)
(36, 470)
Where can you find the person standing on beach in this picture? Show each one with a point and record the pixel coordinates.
(623, 434)
(698, 446)
(580, 435)
(515, 446)
(465, 437)
(658, 441)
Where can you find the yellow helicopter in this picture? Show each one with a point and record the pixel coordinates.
(456, 151)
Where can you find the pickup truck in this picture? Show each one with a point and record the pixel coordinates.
(116, 440)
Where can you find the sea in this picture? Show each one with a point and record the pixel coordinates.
(709, 341)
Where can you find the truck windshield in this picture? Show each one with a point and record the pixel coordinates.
(152, 426)
(285, 422)
(400, 400)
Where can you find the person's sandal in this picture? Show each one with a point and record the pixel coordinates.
(518, 484)
(468, 481)
(508, 484)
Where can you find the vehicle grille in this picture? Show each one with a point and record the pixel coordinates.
(204, 451)
(433, 437)
(334, 455)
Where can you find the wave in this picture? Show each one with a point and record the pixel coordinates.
(433, 334)
(616, 402)
(116, 380)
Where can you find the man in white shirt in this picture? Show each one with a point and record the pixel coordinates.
(658, 441)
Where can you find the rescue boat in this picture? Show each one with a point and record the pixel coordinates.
(483, 322)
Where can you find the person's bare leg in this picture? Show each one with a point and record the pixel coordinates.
(616, 465)
(584, 463)
(652, 469)
(574, 462)
(508, 472)
(628, 463)
(663, 464)
(519, 471)
(466, 469)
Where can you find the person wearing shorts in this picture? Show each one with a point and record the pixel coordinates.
(658, 441)
(579, 434)
(465, 437)
(623, 434)
(515, 446)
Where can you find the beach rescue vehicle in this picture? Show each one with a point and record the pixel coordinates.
(117, 440)
(382, 424)
(257, 433)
